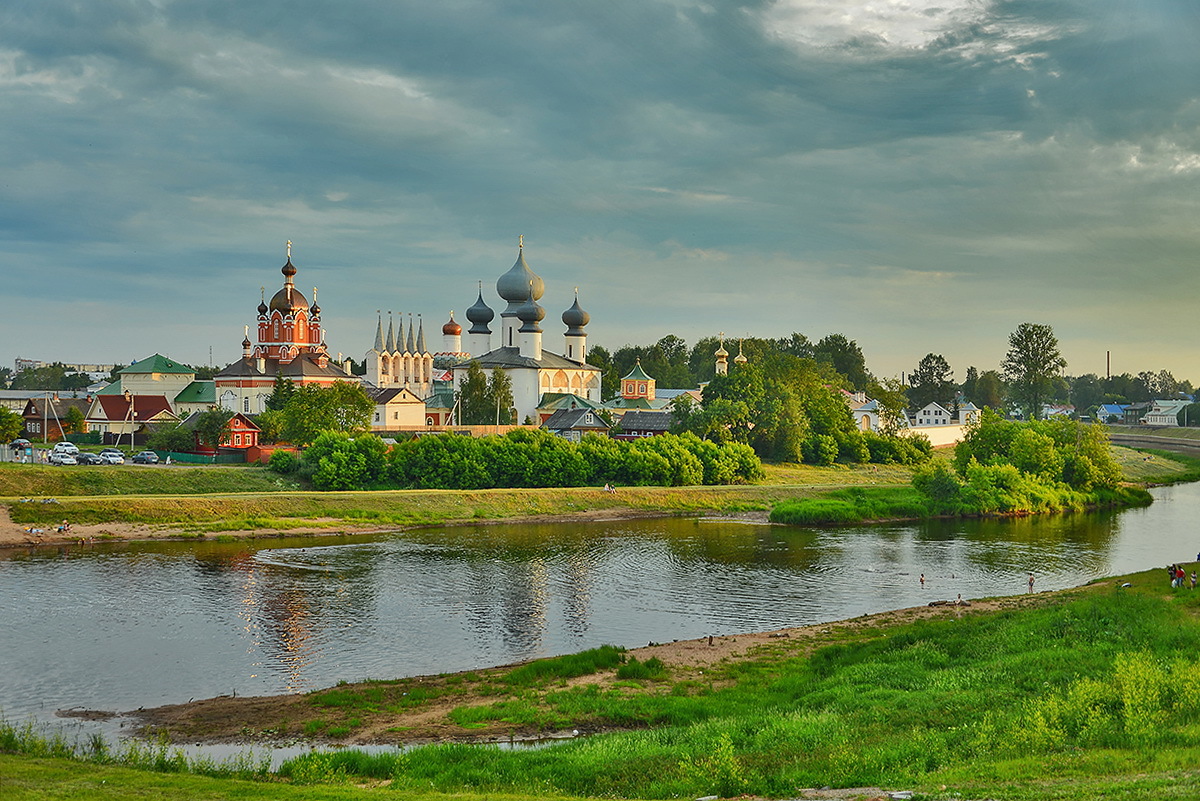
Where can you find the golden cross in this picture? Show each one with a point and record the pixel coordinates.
(521, 241)
(289, 250)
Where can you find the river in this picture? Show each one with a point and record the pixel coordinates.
(121, 626)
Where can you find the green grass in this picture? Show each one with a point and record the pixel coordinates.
(37, 481)
(1067, 697)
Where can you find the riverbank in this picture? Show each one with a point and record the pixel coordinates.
(133, 505)
(1067, 695)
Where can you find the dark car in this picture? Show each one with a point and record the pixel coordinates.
(145, 457)
(89, 458)
(20, 444)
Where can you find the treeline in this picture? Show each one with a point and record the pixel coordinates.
(519, 458)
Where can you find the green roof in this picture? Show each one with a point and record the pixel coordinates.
(112, 389)
(566, 400)
(637, 373)
(198, 392)
(157, 364)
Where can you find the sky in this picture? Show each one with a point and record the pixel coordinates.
(921, 176)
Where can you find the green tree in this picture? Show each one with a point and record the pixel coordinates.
(892, 401)
(932, 381)
(599, 357)
(341, 407)
(845, 356)
(11, 425)
(475, 407)
(281, 392)
(270, 426)
(176, 438)
(212, 427)
(989, 390)
(500, 398)
(1032, 363)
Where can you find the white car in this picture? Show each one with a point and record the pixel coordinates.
(111, 458)
(66, 447)
(61, 457)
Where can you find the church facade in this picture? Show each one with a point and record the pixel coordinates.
(290, 343)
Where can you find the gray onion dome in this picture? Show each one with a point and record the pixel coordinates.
(530, 313)
(480, 315)
(575, 319)
(513, 286)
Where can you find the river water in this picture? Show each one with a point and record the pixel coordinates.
(121, 626)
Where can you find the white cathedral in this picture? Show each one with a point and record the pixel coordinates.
(405, 362)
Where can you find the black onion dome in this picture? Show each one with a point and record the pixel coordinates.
(513, 286)
(246, 341)
(262, 307)
(480, 315)
(575, 318)
(315, 309)
(289, 269)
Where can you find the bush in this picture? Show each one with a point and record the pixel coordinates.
(283, 462)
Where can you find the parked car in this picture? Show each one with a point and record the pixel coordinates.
(117, 451)
(145, 457)
(66, 447)
(62, 457)
(20, 444)
(89, 458)
(111, 457)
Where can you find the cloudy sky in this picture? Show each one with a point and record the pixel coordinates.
(920, 175)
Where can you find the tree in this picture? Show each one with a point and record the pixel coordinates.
(932, 381)
(968, 384)
(176, 438)
(989, 390)
(474, 405)
(281, 392)
(846, 357)
(500, 397)
(11, 425)
(341, 407)
(892, 401)
(212, 427)
(1032, 363)
(270, 426)
(599, 357)
(73, 421)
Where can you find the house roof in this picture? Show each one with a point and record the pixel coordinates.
(510, 357)
(116, 408)
(54, 407)
(244, 422)
(630, 403)
(565, 400)
(575, 419)
(387, 395)
(156, 364)
(198, 392)
(646, 421)
(303, 366)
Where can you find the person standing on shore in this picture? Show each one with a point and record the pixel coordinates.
(1030, 582)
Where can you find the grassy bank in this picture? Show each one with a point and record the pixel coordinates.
(284, 507)
(1074, 695)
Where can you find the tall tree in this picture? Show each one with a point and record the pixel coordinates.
(500, 396)
(474, 406)
(892, 400)
(968, 384)
(281, 392)
(212, 427)
(932, 381)
(11, 425)
(1032, 363)
(73, 421)
(845, 356)
(989, 390)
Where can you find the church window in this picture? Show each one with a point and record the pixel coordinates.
(641, 389)
(429, 421)
(245, 404)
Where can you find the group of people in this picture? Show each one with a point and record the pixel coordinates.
(1178, 575)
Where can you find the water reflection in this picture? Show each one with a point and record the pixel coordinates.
(120, 626)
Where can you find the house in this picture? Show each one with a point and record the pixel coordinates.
(638, 424)
(968, 413)
(45, 416)
(243, 433)
(551, 402)
(1110, 412)
(128, 415)
(572, 424)
(932, 414)
(1164, 413)
(396, 408)
(1050, 410)
(1134, 412)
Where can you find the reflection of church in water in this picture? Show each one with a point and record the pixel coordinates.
(404, 361)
